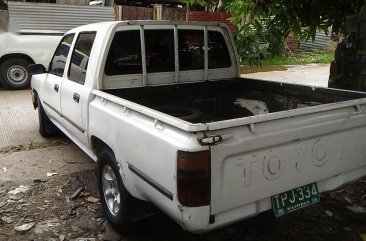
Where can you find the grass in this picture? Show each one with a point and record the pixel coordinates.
(264, 68)
(298, 58)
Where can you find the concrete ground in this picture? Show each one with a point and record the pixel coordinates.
(18, 119)
(311, 74)
(24, 153)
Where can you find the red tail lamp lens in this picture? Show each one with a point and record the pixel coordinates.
(193, 178)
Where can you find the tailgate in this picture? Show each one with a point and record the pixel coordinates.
(268, 158)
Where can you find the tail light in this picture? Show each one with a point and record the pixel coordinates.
(193, 178)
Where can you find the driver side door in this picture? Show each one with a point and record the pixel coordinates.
(52, 88)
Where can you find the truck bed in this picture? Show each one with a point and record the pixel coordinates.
(211, 101)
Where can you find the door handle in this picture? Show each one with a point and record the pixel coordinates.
(56, 87)
(76, 97)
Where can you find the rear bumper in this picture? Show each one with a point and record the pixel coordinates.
(254, 208)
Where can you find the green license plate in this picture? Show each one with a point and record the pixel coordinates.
(295, 199)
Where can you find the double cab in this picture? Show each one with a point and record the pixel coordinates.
(162, 109)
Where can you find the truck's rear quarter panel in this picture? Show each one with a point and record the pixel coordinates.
(146, 150)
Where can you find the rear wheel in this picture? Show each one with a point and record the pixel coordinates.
(114, 196)
(14, 73)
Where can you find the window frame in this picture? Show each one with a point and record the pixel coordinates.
(109, 50)
(200, 32)
(127, 80)
(174, 52)
(227, 49)
(54, 54)
(72, 53)
(176, 76)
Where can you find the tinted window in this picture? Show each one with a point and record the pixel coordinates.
(159, 48)
(58, 62)
(218, 54)
(124, 56)
(80, 57)
(190, 48)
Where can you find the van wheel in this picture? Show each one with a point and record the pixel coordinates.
(46, 127)
(114, 196)
(14, 73)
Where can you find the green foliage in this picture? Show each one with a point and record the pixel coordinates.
(264, 24)
(302, 57)
(269, 22)
(303, 18)
(255, 37)
(249, 48)
(192, 2)
(265, 68)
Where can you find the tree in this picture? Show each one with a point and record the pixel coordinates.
(303, 18)
(256, 36)
(263, 25)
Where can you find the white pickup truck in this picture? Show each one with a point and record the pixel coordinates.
(162, 109)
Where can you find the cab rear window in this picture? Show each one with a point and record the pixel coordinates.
(125, 53)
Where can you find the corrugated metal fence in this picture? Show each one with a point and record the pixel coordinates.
(322, 41)
(58, 17)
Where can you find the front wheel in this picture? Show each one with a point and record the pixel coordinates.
(14, 73)
(46, 127)
(114, 196)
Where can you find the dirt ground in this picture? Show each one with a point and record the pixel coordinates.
(67, 207)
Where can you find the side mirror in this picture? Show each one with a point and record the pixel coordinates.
(36, 69)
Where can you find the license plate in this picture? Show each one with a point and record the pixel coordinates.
(295, 199)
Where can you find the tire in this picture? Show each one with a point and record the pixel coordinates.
(46, 127)
(14, 73)
(114, 196)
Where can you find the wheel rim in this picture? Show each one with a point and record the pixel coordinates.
(17, 75)
(111, 192)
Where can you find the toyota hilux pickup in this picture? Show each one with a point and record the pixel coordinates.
(162, 109)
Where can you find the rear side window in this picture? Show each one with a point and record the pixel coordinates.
(159, 48)
(190, 49)
(124, 56)
(80, 57)
(218, 54)
(58, 61)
